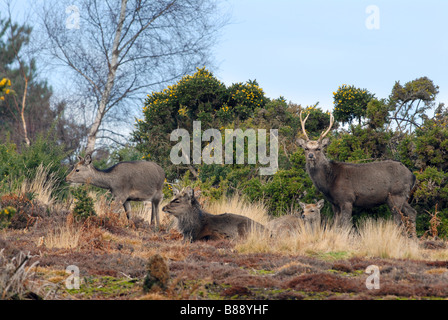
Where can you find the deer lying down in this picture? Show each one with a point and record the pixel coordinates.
(196, 224)
(290, 223)
(127, 181)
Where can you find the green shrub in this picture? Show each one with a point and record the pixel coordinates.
(16, 166)
(350, 103)
(6, 215)
(84, 206)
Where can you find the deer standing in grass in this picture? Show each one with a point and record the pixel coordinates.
(290, 223)
(347, 185)
(127, 181)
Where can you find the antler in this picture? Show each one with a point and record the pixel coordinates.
(303, 124)
(322, 135)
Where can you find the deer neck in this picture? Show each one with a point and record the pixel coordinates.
(321, 173)
(190, 223)
(100, 179)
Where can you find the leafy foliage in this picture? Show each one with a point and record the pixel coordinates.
(350, 103)
(375, 136)
(410, 102)
(6, 214)
(84, 206)
(16, 166)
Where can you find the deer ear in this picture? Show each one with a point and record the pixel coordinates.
(190, 192)
(302, 205)
(80, 158)
(325, 142)
(88, 159)
(197, 193)
(301, 142)
(175, 191)
(320, 203)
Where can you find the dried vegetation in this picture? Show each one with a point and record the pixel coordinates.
(118, 259)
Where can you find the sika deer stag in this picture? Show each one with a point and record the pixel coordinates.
(347, 185)
(127, 181)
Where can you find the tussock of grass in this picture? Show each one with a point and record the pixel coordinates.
(64, 237)
(41, 186)
(325, 237)
(256, 211)
(373, 238)
(384, 239)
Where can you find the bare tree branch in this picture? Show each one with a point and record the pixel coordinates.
(122, 49)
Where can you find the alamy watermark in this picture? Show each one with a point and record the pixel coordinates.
(72, 21)
(233, 140)
(373, 281)
(72, 282)
(373, 20)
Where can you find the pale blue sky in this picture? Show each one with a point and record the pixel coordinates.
(303, 50)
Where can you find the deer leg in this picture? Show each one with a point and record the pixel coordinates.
(126, 205)
(154, 213)
(403, 213)
(346, 213)
(127, 208)
(155, 208)
(412, 215)
(336, 212)
(395, 205)
(396, 215)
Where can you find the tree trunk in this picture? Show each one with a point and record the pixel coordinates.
(22, 113)
(91, 139)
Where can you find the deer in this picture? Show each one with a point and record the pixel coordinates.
(346, 185)
(127, 181)
(290, 223)
(196, 224)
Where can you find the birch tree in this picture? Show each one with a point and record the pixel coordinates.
(116, 52)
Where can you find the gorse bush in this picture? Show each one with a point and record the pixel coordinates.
(350, 103)
(198, 97)
(375, 129)
(6, 214)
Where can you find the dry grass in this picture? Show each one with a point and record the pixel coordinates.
(17, 279)
(256, 211)
(63, 237)
(41, 186)
(373, 238)
(325, 237)
(384, 239)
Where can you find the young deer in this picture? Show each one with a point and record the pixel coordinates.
(290, 223)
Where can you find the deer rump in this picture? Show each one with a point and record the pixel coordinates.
(365, 184)
(225, 226)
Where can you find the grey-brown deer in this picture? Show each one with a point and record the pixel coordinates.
(347, 185)
(290, 223)
(196, 224)
(127, 181)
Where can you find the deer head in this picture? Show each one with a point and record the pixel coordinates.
(314, 148)
(311, 211)
(82, 171)
(181, 203)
